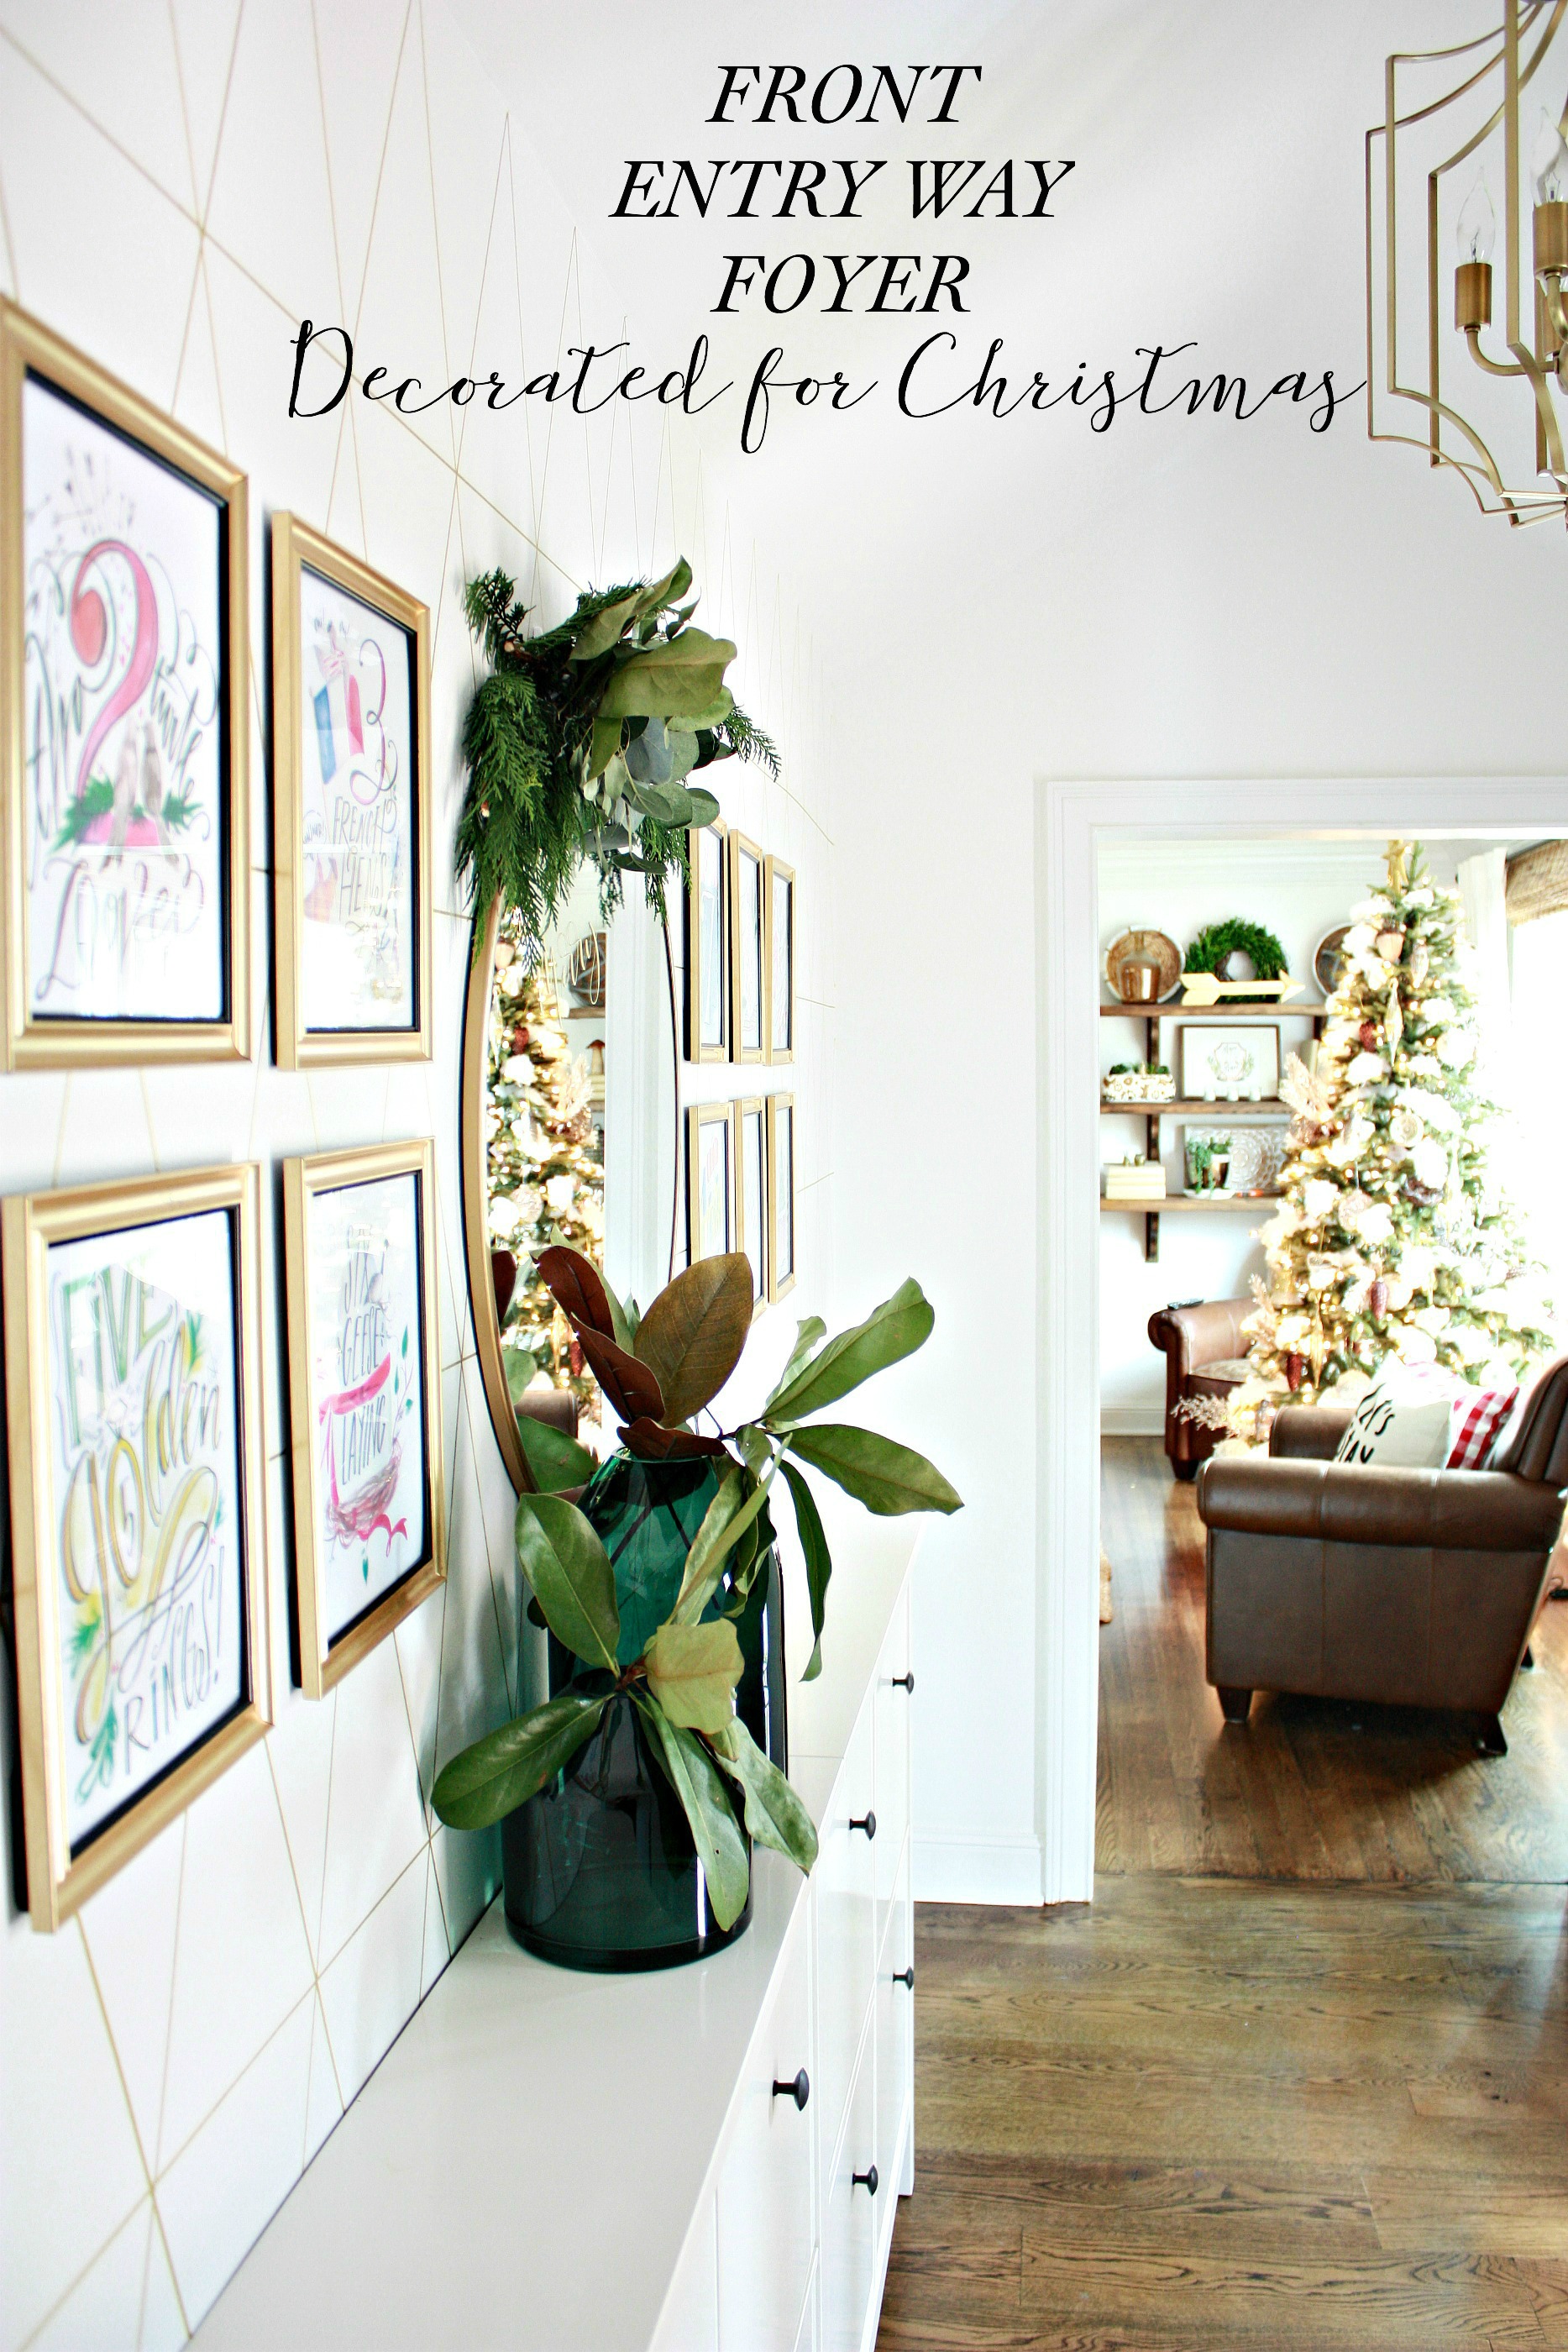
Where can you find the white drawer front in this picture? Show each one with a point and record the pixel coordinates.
(846, 1929)
(891, 1711)
(765, 2236)
(851, 2214)
(895, 2037)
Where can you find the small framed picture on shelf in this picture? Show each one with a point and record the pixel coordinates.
(1230, 1061)
(710, 1179)
(350, 718)
(783, 1221)
(133, 1411)
(708, 945)
(124, 724)
(370, 1528)
(747, 1029)
(1241, 1158)
(751, 1194)
(779, 958)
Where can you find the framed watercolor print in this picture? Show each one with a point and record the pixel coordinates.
(708, 945)
(125, 842)
(751, 1195)
(748, 990)
(369, 1530)
(132, 1390)
(779, 959)
(783, 1221)
(351, 672)
(1230, 1061)
(710, 1179)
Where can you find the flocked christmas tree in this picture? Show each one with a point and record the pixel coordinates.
(546, 1165)
(1394, 1237)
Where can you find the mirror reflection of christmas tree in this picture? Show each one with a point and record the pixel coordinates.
(1395, 1237)
(545, 1163)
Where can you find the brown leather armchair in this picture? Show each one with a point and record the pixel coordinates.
(1414, 1587)
(1204, 1352)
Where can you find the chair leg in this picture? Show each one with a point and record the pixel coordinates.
(1490, 1738)
(1529, 1657)
(1234, 1703)
(1186, 1471)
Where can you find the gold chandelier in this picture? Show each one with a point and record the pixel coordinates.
(1488, 364)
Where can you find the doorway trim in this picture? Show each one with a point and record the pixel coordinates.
(1071, 820)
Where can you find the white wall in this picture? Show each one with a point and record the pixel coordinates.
(179, 185)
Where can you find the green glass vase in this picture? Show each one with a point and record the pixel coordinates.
(599, 1869)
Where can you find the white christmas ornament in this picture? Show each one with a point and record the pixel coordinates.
(1318, 1198)
(1429, 1165)
(1417, 1346)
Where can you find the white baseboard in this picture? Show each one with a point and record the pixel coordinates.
(978, 1870)
(1132, 1421)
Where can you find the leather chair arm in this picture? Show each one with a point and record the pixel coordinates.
(1204, 1334)
(556, 1406)
(1329, 1502)
(1308, 1433)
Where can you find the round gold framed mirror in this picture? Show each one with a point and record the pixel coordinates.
(570, 1086)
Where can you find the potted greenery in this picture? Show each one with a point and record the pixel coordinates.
(629, 1799)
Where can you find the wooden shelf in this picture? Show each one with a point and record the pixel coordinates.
(1294, 1009)
(1179, 1200)
(1217, 1110)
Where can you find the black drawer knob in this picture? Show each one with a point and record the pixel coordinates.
(867, 1822)
(905, 1976)
(866, 2180)
(799, 2090)
(905, 1682)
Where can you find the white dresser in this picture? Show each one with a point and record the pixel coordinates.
(570, 2163)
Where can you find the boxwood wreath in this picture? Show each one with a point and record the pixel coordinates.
(580, 743)
(1213, 948)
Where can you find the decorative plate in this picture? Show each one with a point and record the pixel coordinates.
(1143, 946)
(1326, 959)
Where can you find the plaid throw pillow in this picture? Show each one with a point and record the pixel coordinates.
(1479, 1415)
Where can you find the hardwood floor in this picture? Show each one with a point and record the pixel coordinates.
(1308, 1788)
(1298, 2078)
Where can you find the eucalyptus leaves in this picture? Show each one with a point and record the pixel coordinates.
(658, 1371)
(579, 741)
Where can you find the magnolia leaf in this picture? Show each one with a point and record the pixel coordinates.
(576, 1285)
(702, 723)
(651, 1443)
(554, 1459)
(668, 679)
(725, 1520)
(819, 1561)
(521, 1367)
(572, 1578)
(598, 635)
(691, 1337)
(667, 804)
(633, 1389)
(896, 1329)
(774, 1814)
(705, 806)
(667, 590)
(888, 1479)
(603, 744)
(716, 1833)
(503, 1771)
(693, 1671)
(756, 1448)
(807, 1335)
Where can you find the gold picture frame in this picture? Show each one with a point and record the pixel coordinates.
(777, 883)
(299, 1043)
(120, 618)
(751, 1202)
(748, 983)
(323, 1656)
(707, 974)
(152, 1474)
(703, 1237)
(783, 1196)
